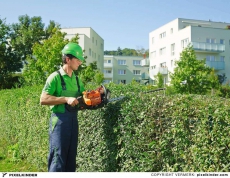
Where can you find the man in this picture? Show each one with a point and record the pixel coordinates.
(60, 92)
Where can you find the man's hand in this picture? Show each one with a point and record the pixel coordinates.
(72, 101)
(100, 89)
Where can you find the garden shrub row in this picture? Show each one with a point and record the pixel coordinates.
(143, 132)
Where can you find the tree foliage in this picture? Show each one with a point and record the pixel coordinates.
(192, 75)
(159, 80)
(46, 58)
(27, 32)
(28, 42)
(90, 73)
(9, 62)
(127, 52)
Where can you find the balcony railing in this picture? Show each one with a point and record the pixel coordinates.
(108, 75)
(108, 65)
(145, 62)
(144, 76)
(161, 70)
(211, 47)
(217, 65)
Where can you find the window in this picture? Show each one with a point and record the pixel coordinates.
(221, 41)
(162, 35)
(221, 58)
(107, 61)
(93, 39)
(107, 71)
(153, 54)
(122, 81)
(153, 67)
(152, 40)
(107, 81)
(210, 40)
(121, 62)
(96, 42)
(90, 51)
(184, 43)
(162, 51)
(171, 30)
(173, 49)
(101, 46)
(121, 72)
(210, 58)
(163, 64)
(136, 62)
(136, 72)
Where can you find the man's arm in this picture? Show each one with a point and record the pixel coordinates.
(47, 99)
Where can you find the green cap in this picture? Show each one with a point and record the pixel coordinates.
(73, 49)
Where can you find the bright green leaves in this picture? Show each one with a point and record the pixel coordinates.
(191, 75)
(46, 59)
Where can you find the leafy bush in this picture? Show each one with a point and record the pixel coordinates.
(143, 132)
(224, 91)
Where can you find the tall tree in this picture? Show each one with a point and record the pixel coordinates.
(27, 32)
(192, 75)
(159, 80)
(46, 58)
(119, 51)
(9, 63)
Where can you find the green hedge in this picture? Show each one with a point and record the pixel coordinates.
(143, 132)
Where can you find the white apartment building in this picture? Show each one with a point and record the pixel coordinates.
(124, 69)
(91, 42)
(210, 40)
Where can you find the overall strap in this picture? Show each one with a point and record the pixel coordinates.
(78, 85)
(63, 82)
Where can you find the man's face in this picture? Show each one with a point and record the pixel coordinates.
(74, 63)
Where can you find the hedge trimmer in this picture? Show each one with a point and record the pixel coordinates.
(93, 99)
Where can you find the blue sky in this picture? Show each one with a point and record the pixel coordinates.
(121, 23)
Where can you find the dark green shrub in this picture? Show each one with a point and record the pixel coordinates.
(224, 91)
(144, 132)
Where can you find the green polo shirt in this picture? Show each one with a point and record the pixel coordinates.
(53, 87)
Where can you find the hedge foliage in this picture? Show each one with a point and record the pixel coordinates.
(143, 132)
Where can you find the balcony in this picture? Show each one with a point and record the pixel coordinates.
(108, 75)
(208, 47)
(145, 62)
(161, 70)
(145, 76)
(217, 65)
(108, 65)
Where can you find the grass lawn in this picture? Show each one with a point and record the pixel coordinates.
(22, 166)
(9, 166)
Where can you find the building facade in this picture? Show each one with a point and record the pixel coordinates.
(210, 40)
(91, 42)
(124, 69)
